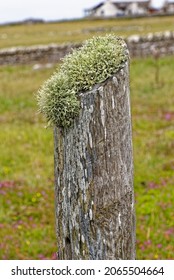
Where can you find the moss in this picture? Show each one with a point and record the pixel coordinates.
(94, 62)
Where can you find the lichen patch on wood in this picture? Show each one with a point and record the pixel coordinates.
(98, 59)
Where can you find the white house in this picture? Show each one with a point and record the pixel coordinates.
(116, 8)
(170, 6)
(137, 8)
(157, 7)
(104, 9)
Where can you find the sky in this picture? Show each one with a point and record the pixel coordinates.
(17, 10)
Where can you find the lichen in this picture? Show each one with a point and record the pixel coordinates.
(98, 59)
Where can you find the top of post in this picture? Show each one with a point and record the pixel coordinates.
(98, 59)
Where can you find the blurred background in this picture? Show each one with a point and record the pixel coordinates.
(34, 36)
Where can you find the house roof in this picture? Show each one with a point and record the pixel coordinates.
(155, 4)
(120, 3)
(124, 3)
(98, 6)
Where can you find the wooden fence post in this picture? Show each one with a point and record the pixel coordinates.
(95, 216)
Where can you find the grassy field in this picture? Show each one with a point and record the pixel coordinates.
(27, 228)
(77, 31)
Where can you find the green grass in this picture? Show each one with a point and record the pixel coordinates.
(79, 30)
(27, 229)
(26, 169)
(153, 116)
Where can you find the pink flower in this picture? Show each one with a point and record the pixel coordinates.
(7, 184)
(163, 182)
(170, 231)
(152, 185)
(54, 256)
(168, 116)
(142, 247)
(148, 242)
(41, 256)
(2, 192)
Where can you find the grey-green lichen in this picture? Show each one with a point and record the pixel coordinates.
(98, 59)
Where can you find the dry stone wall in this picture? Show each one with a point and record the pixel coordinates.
(139, 46)
(143, 46)
(43, 54)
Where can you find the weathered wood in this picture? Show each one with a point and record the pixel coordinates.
(95, 216)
